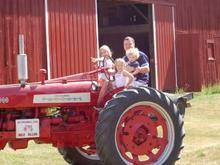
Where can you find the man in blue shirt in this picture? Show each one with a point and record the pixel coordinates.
(143, 60)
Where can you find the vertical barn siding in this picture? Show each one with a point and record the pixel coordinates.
(165, 47)
(27, 17)
(188, 65)
(72, 37)
(217, 54)
(201, 17)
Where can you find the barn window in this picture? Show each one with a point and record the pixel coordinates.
(211, 50)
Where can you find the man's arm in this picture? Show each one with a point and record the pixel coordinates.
(144, 62)
(143, 69)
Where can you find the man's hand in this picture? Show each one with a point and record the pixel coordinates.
(143, 69)
(129, 69)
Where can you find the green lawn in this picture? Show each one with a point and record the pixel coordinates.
(202, 124)
(202, 142)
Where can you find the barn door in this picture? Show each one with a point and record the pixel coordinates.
(188, 62)
(164, 47)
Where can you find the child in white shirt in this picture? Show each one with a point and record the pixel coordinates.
(105, 60)
(122, 77)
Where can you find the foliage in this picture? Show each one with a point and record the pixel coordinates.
(211, 89)
(180, 91)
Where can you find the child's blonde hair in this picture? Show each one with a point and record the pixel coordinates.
(133, 52)
(120, 61)
(106, 48)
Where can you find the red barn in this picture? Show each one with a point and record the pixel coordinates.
(181, 37)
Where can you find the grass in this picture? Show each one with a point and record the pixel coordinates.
(202, 141)
(202, 124)
(35, 155)
(211, 89)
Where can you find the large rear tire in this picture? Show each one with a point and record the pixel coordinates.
(80, 156)
(139, 126)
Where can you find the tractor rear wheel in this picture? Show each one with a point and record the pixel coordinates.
(139, 126)
(80, 156)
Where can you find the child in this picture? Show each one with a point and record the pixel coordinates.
(122, 77)
(133, 64)
(105, 60)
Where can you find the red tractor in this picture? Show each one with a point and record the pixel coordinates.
(139, 126)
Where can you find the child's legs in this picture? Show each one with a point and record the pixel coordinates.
(102, 92)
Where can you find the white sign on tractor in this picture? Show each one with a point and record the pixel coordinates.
(27, 128)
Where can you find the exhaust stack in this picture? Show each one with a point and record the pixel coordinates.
(22, 62)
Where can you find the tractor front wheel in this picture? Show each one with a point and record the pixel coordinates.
(80, 155)
(139, 126)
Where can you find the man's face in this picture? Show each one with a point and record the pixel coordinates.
(128, 44)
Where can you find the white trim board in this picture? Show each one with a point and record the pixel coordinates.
(155, 46)
(47, 39)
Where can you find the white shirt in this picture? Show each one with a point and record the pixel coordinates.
(120, 80)
(106, 63)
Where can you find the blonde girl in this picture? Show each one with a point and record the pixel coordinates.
(105, 60)
(122, 77)
(105, 57)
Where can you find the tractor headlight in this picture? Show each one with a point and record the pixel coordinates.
(94, 86)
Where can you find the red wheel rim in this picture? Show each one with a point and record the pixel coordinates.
(141, 135)
(88, 152)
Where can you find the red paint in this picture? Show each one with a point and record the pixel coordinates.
(72, 23)
(165, 47)
(19, 97)
(188, 64)
(201, 18)
(27, 17)
(141, 139)
(72, 37)
(73, 125)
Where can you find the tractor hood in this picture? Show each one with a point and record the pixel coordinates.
(48, 95)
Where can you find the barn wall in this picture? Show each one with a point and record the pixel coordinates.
(160, 2)
(188, 65)
(72, 36)
(200, 17)
(165, 47)
(27, 17)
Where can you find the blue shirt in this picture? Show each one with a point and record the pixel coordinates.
(133, 64)
(143, 60)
